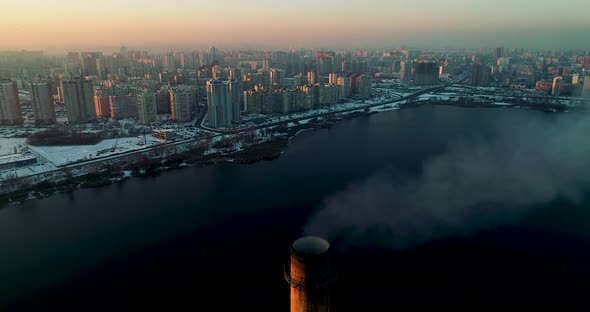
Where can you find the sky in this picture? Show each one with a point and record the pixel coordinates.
(70, 24)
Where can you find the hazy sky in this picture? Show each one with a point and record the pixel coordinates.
(302, 23)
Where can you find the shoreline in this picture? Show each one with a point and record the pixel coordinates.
(255, 152)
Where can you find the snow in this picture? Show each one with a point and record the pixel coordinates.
(40, 167)
(7, 145)
(384, 108)
(52, 157)
(425, 97)
(62, 155)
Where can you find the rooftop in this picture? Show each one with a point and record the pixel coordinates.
(7, 159)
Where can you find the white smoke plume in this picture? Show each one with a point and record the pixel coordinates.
(476, 184)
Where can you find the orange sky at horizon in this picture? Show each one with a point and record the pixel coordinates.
(36, 23)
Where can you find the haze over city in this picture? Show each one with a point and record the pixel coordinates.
(311, 155)
(56, 26)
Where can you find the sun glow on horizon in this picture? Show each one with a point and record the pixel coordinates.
(37, 23)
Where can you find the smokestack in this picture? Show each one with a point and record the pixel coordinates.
(309, 275)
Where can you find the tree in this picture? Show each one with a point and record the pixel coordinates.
(67, 173)
(201, 147)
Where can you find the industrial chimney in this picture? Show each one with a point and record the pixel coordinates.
(309, 275)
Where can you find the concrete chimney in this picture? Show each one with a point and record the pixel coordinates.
(309, 275)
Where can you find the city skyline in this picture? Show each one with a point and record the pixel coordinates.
(71, 25)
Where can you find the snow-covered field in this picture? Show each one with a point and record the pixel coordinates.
(7, 145)
(41, 167)
(61, 155)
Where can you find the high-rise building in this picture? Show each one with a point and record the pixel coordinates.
(260, 101)
(42, 103)
(272, 102)
(180, 60)
(311, 77)
(312, 96)
(79, 100)
(556, 89)
(333, 78)
(10, 109)
(575, 78)
(426, 73)
(345, 82)
(146, 107)
(293, 101)
(94, 65)
(235, 74)
(498, 53)
(299, 80)
(406, 71)
(410, 55)
(481, 74)
(361, 86)
(355, 67)
(253, 101)
(123, 106)
(288, 101)
(163, 101)
(325, 64)
(168, 61)
(215, 54)
(234, 91)
(117, 107)
(277, 77)
(263, 78)
(102, 106)
(330, 94)
(223, 103)
(503, 64)
(180, 103)
(586, 89)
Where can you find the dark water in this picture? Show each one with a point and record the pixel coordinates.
(220, 235)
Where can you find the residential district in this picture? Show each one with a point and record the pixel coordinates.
(93, 113)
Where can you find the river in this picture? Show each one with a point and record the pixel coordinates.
(189, 236)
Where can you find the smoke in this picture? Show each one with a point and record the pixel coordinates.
(476, 184)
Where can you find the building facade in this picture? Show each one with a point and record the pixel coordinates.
(10, 109)
(180, 103)
(102, 106)
(361, 86)
(481, 75)
(586, 88)
(556, 88)
(42, 103)
(223, 103)
(406, 71)
(426, 73)
(79, 100)
(146, 108)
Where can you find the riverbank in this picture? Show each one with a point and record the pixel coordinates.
(214, 152)
(198, 156)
